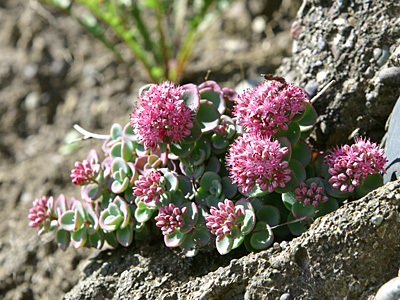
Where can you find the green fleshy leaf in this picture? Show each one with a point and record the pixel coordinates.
(370, 183)
(185, 186)
(292, 133)
(194, 172)
(181, 150)
(213, 165)
(269, 214)
(174, 239)
(78, 238)
(119, 187)
(284, 141)
(171, 181)
(63, 239)
(201, 196)
(289, 199)
(190, 218)
(195, 134)
(300, 211)
(262, 237)
(298, 169)
(296, 228)
(67, 220)
(228, 187)
(301, 152)
(127, 150)
(207, 116)
(207, 179)
(216, 188)
(116, 151)
(217, 99)
(249, 218)
(224, 246)
(111, 239)
(116, 131)
(93, 220)
(309, 117)
(191, 96)
(327, 207)
(256, 192)
(96, 240)
(255, 202)
(177, 198)
(237, 241)
(119, 164)
(124, 236)
(143, 213)
(213, 201)
(219, 142)
(201, 235)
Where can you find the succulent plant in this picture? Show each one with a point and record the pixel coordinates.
(206, 168)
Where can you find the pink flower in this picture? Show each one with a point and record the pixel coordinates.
(83, 173)
(39, 213)
(312, 195)
(351, 164)
(149, 188)
(170, 217)
(221, 220)
(256, 159)
(162, 116)
(269, 106)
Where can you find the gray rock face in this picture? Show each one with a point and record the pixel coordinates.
(344, 254)
(357, 44)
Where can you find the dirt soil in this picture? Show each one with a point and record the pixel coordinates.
(53, 75)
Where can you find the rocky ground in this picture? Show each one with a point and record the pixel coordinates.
(53, 75)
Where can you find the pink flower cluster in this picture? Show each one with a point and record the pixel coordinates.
(269, 106)
(162, 116)
(221, 220)
(256, 159)
(149, 188)
(39, 213)
(170, 217)
(312, 195)
(83, 173)
(352, 164)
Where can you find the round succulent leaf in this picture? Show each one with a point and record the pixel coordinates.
(284, 141)
(119, 164)
(143, 213)
(237, 241)
(207, 116)
(141, 235)
(327, 207)
(298, 116)
(128, 134)
(174, 239)
(310, 171)
(116, 131)
(190, 218)
(216, 188)
(262, 236)
(93, 221)
(201, 196)
(248, 245)
(301, 152)
(300, 211)
(228, 187)
(224, 246)
(214, 96)
(207, 179)
(185, 186)
(63, 239)
(255, 202)
(213, 165)
(370, 183)
(181, 150)
(219, 142)
(141, 150)
(118, 187)
(78, 238)
(298, 169)
(110, 222)
(116, 150)
(231, 130)
(213, 201)
(124, 236)
(195, 134)
(171, 181)
(289, 186)
(289, 199)
(309, 117)
(191, 96)
(176, 198)
(111, 239)
(296, 228)
(292, 133)
(196, 158)
(305, 132)
(59, 205)
(201, 235)
(335, 192)
(96, 239)
(319, 163)
(124, 209)
(67, 220)
(269, 214)
(205, 145)
(255, 192)
(249, 217)
(126, 150)
(194, 172)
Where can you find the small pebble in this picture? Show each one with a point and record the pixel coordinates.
(384, 56)
(311, 88)
(377, 220)
(390, 76)
(390, 290)
(285, 296)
